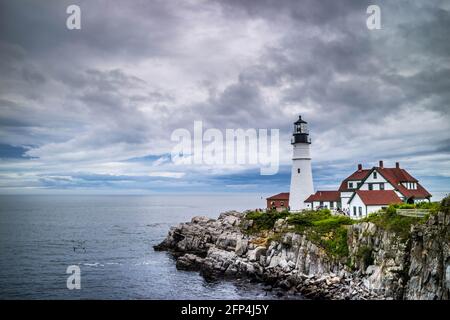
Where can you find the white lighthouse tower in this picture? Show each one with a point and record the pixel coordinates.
(301, 175)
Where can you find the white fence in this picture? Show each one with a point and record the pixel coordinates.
(419, 213)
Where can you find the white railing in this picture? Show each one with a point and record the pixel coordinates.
(419, 213)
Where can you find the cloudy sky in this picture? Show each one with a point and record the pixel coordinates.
(93, 110)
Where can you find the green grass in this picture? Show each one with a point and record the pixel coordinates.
(321, 227)
(389, 220)
(264, 220)
(434, 207)
(330, 231)
(325, 230)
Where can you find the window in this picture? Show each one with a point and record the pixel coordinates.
(321, 203)
(331, 204)
(374, 174)
(360, 211)
(381, 186)
(272, 203)
(282, 203)
(303, 128)
(354, 211)
(298, 170)
(370, 186)
(350, 185)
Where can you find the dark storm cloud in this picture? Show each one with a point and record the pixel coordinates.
(116, 89)
(140, 29)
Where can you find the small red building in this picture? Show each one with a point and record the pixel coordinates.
(279, 201)
(324, 199)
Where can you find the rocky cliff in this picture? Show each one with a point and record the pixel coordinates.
(380, 264)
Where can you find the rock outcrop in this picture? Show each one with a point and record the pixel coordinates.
(380, 265)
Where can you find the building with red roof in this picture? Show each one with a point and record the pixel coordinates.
(365, 191)
(364, 202)
(324, 199)
(279, 201)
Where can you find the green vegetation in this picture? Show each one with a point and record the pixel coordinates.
(389, 220)
(330, 231)
(264, 220)
(324, 229)
(433, 206)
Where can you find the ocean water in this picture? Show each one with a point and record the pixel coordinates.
(110, 238)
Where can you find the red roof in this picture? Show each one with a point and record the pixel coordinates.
(394, 176)
(357, 175)
(378, 197)
(324, 196)
(280, 196)
(397, 175)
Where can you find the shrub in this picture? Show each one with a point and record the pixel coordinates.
(326, 230)
(434, 207)
(445, 205)
(321, 227)
(391, 210)
(333, 221)
(307, 218)
(391, 221)
(337, 244)
(405, 206)
(264, 220)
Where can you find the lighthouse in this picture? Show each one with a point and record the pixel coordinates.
(301, 174)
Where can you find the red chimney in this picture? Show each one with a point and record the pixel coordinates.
(359, 167)
(381, 164)
(397, 165)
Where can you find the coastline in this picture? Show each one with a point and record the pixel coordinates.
(289, 262)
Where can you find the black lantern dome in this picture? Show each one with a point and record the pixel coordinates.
(301, 132)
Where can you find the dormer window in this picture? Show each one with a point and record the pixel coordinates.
(410, 185)
(350, 185)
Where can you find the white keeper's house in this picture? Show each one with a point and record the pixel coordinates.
(363, 192)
